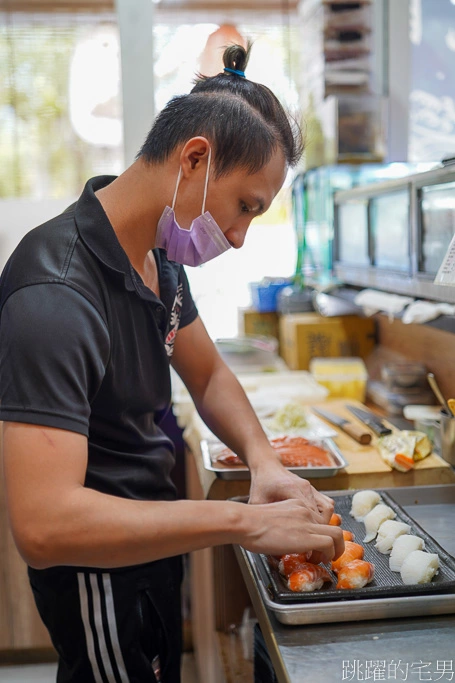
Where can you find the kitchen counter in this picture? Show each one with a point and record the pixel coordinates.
(412, 649)
(365, 469)
(218, 591)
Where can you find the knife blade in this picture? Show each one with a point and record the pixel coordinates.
(350, 428)
(372, 421)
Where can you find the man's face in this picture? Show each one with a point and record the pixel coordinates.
(235, 199)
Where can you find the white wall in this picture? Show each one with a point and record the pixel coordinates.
(18, 216)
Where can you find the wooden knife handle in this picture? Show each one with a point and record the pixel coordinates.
(357, 433)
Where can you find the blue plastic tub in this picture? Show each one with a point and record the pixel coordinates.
(264, 295)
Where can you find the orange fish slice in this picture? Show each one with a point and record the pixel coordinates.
(356, 574)
(310, 577)
(347, 535)
(335, 519)
(292, 562)
(352, 551)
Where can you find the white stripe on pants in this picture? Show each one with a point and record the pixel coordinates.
(98, 635)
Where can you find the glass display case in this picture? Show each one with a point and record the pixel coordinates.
(389, 217)
(410, 224)
(436, 207)
(314, 210)
(353, 233)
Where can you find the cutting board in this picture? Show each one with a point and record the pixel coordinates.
(366, 459)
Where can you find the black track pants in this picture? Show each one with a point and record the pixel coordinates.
(116, 626)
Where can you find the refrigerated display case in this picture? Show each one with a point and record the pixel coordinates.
(411, 222)
(313, 195)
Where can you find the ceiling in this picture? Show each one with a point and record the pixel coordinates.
(205, 7)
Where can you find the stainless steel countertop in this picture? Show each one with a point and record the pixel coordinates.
(328, 653)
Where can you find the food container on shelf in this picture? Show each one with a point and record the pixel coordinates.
(264, 294)
(249, 353)
(394, 400)
(404, 375)
(343, 377)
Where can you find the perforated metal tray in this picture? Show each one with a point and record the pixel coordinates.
(386, 597)
(386, 583)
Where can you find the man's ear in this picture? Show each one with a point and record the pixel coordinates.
(194, 155)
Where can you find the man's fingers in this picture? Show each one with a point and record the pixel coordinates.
(325, 505)
(328, 541)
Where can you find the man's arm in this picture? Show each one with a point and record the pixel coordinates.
(224, 407)
(57, 521)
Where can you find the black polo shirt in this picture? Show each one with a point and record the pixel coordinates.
(85, 346)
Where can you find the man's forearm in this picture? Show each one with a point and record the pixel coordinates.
(226, 410)
(92, 529)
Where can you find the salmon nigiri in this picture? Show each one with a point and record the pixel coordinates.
(356, 574)
(293, 562)
(352, 551)
(347, 535)
(309, 577)
(335, 519)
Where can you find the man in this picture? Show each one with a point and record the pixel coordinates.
(94, 305)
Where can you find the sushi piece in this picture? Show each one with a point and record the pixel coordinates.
(401, 548)
(352, 551)
(292, 562)
(310, 577)
(347, 535)
(362, 503)
(419, 567)
(335, 519)
(388, 532)
(375, 518)
(356, 574)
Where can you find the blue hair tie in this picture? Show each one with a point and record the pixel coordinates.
(234, 71)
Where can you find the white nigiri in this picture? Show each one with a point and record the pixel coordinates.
(388, 532)
(419, 567)
(402, 547)
(375, 518)
(362, 503)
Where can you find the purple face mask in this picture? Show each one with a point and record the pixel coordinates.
(203, 241)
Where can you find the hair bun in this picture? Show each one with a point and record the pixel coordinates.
(236, 57)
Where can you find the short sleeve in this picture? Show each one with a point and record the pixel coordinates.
(54, 347)
(189, 310)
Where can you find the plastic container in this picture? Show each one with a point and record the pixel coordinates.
(404, 375)
(264, 294)
(343, 377)
(294, 300)
(249, 353)
(395, 400)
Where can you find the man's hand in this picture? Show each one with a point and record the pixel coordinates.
(273, 483)
(289, 527)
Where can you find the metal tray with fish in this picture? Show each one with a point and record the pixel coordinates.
(386, 596)
(210, 449)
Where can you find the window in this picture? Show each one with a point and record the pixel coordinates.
(60, 106)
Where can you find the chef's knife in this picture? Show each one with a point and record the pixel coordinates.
(350, 428)
(371, 421)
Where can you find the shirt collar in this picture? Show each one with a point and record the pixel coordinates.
(99, 236)
(96, 230)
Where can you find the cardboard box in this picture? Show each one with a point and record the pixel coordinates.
(304, 336)
(253, 322)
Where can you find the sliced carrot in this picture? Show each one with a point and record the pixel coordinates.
(404, 460)
(335, 519)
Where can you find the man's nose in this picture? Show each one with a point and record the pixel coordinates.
(236, 235)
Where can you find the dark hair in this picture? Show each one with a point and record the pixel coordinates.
(243, 121)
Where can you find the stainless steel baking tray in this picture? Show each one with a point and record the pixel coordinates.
(238, 472)
(385, 597)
